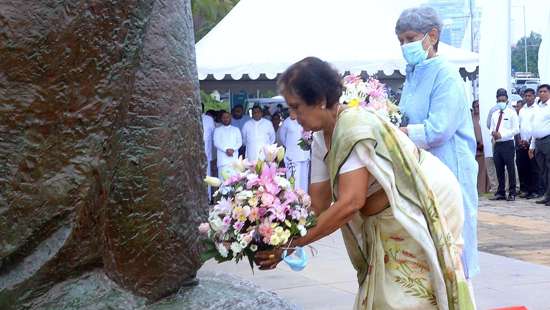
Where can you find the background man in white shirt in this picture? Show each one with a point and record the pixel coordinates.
(227, 140)
(527, 168)
(257, 132)
(239, 118)
(540, 143)
(504, 126)
(296, 159)
(208, 132)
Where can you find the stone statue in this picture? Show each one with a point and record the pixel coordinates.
(101, 154)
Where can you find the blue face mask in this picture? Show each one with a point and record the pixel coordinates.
(414, 52)
(502, 105)
(297, 261)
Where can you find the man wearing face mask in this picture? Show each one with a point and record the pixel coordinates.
(438, 113)
(504, 126)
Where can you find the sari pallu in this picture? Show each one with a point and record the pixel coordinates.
(408, 256)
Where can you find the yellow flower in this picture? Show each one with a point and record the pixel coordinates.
(253, 201)
(353, 103)
(279, 236)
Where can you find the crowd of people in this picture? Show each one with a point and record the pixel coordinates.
(520, 133)
(228, 136)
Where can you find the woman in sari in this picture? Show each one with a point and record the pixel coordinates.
(399, 208)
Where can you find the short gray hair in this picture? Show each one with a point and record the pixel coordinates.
(420, 19)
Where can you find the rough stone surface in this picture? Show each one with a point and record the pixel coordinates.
(100, 146)
(216, 290)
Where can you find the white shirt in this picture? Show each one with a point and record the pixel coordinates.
(208, 132)
(256, 134)
(290, 134)
(541, 120)
(227, 137)
(319, 169)
(525, 121)
(509, 126)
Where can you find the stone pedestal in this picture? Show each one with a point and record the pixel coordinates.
(101, 152)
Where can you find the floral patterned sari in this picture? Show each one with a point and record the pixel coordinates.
(407, 256)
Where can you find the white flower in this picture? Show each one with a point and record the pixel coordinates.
(303, 230)
(243, 243)
(222, 249)
(253, 247)
(224, 190)
(240, 164)
(236, 247)
(244, 195)
(273, 152)
(215, 223)
(269, 151)
(282, 182)
(212, 181)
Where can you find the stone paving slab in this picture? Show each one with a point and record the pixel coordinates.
(519, 229)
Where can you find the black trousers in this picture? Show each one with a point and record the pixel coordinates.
(503, 156)
(528, 172)
(542, 153)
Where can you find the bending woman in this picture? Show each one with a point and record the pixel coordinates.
(399, 208)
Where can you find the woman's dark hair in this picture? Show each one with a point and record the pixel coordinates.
(312, 80)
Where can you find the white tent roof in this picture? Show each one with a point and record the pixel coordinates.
(266, 36)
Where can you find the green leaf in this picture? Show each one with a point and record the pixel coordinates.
(251, 261)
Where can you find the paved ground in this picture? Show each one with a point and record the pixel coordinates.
(519, 229)
(514, 238)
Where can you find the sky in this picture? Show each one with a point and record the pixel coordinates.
(537, 13)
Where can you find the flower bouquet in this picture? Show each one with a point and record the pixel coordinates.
(371, 95)
(255, 209)
(305, 141)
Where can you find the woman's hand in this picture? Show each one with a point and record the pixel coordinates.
(267, 260)
(271, 258)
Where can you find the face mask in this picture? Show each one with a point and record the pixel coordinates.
(414, 52)
(298, 262)
(502, 105)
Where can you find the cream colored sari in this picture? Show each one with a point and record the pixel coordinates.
(408, 256)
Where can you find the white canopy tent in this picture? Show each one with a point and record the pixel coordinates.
(266, 36)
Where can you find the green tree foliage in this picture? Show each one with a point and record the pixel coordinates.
(518, 54)
(208, 13)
